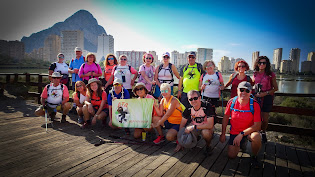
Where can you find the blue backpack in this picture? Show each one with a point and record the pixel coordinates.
(251, 106)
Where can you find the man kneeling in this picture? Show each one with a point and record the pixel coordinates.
(199, 119)
(245, 122)
(55, 96)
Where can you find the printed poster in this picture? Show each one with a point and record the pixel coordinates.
(132, 113)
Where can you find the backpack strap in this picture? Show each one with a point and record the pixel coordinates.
(233, 77)
(251, 105)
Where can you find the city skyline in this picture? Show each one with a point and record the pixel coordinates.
(233, 29)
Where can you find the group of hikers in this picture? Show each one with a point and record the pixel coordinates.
(187, 117)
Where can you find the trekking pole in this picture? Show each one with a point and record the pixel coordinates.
(222, 101)
(46, 118)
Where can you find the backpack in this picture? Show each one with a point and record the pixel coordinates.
(181, 105)
(199, 68)
(217, 73)
(169, 68)
(141, 77)
(48, 93)
(116, 67)
(251, 106)
(235, 75)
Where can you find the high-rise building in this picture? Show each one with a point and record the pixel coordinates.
(286, 66)
(134, 58)
(295, 58)
(204, 54)
(69, 41)
(311, 57)
(306, 66)
(224, 64)
(255, 55)
(277, 57)
(233, 61)
(175, 58)
(52, 46)
(13, 49)
(155, 56)
(105, 46)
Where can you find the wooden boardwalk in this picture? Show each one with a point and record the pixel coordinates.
(67, 150)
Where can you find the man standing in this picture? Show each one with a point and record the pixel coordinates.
(199, 119)
(245, 123)
(190, 76)
(75, 65)
(54, 97)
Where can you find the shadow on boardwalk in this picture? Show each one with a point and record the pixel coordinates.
(66, 150)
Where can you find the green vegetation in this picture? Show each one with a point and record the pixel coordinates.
(6, 61)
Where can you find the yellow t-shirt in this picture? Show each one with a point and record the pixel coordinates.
(191, 78)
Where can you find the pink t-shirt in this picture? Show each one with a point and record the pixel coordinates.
(85, 68)
(149, 71)
(242, 120)
(264, 80)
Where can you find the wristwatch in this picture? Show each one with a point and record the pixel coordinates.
(242, 133)
(267, 92)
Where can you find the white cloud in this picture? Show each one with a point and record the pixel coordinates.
(217, 54)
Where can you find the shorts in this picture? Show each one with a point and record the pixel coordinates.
(157, 92)
(51, 110)
(232, 137)
(213, 101)
(267, 103)
(171, 126)
(106, 110)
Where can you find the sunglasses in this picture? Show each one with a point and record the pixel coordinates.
(123, 59)
(56, 78)
(166, 57)
(148, 58)
(61, 57)
(192, 57)
(164, 91)
(194, 98)
(209, 66)
(137, 89)
(110, 58)
(243, 89)
(79, 86)
(241, 66)
(117, 85)
(262, 63)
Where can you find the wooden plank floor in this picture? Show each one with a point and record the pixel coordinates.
(67, 150)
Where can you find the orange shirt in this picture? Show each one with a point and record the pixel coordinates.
(96, 101)
(176, 116)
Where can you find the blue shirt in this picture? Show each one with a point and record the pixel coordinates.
(76, 64)
(109, 97)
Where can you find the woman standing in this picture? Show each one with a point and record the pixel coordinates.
(109, 63)
(265, 87)
(164, 74)
(211, 83)
(60, 67)
(90, 69)
(123, 71)
(78, 98)
(147, 71)
(238, 77)
(95, 103)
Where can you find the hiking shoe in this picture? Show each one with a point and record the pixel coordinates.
(85, 125)
(127, 131)
(254, 162)
(63, 119)
(80, 120)
(159, 139)
(52, 116)
(208, 151)
(244, 146)
(263, 137)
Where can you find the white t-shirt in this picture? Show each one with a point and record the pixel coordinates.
(212, 83)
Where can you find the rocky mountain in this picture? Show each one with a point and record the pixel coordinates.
(81, 20)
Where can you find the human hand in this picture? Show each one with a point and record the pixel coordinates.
(222, 138)
(203, 86)
(76, 71)
(189, 129)
(153, 82)
(237, 140)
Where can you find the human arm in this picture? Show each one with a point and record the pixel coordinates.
(176, 73)
(135, 72)
(65, 95)
(158, 108)
(110, 80)
(76, 99)
(156, 73)
(221, 82)
(201, 86)
(180, 83)
(229, 82)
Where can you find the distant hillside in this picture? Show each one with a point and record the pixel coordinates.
(81, 20)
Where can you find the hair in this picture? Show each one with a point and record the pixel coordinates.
(165, 86)
(88, 55)
(123, 55)
(145, 89)
(268, 66)
(98, 92)
(82, 83)
(191, 92)
(106, 59)
(241, 61)
(206, 63)
(145, 56)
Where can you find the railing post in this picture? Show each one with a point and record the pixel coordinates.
(16, 77)
(8, 78)
(40, 80)
(27, 78)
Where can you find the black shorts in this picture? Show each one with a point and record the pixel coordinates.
(213, 101)
(232, 137)
(267, 103)
(106, 110)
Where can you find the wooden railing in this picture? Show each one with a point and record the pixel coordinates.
(14, 78)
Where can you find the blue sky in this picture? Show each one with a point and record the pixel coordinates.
(231, 28)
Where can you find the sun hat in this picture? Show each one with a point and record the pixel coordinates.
(138, 85)
(117, 81)
(187, 140)
(93, 80)
(55, 74)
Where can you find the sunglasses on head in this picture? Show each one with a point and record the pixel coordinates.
(166, 57)
(137, 89)
(164, 91)
(243, 66)
(262, 63)
(123, 59)
(244, 89)
(194, 98)
(110, 58)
